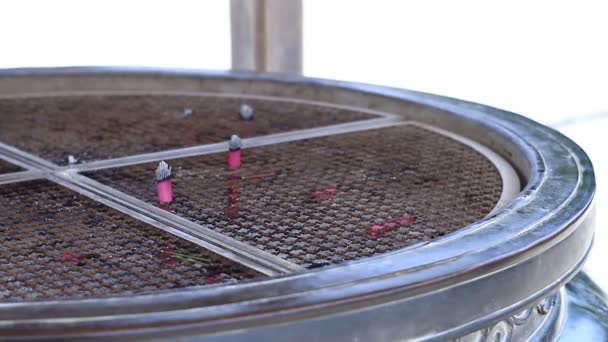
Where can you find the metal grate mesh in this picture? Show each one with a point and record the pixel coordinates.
(102, 127)
(59, 244)
(6, 167)
(331, 199)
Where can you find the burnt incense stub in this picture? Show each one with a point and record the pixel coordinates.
(327, 200)
(246, 112)
(101, 127)
(59, 244)
(235, 143)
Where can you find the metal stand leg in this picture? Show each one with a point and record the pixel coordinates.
(267, 35)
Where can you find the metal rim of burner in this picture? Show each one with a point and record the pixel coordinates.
(500, 277)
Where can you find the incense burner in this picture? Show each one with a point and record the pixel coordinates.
(357, 212)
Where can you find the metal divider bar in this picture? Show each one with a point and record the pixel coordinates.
(249, 142)
(20, 176)
(230, 248)
(225, 246)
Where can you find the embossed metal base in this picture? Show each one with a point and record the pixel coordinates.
(540, 322)
(586, 313)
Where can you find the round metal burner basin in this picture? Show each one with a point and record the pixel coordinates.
(350, 212)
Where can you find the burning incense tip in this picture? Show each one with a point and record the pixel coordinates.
(235, 143)
(164, 188)
(163, 171)
(246, 112)
(234, 155)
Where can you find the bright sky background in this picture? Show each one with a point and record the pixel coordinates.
(177, 33)
(547, 59)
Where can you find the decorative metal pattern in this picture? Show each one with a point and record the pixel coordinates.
(101, 127)
(516, 328)
(58, 244)
(546, 305)
(328, 200)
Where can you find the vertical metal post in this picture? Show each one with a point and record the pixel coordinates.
(266, 35)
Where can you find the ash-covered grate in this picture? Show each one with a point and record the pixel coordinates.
(327, 200)
(6, 167)
(101, 127)
(58, 244)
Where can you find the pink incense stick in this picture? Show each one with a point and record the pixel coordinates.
(164, 188)
(234, 154)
